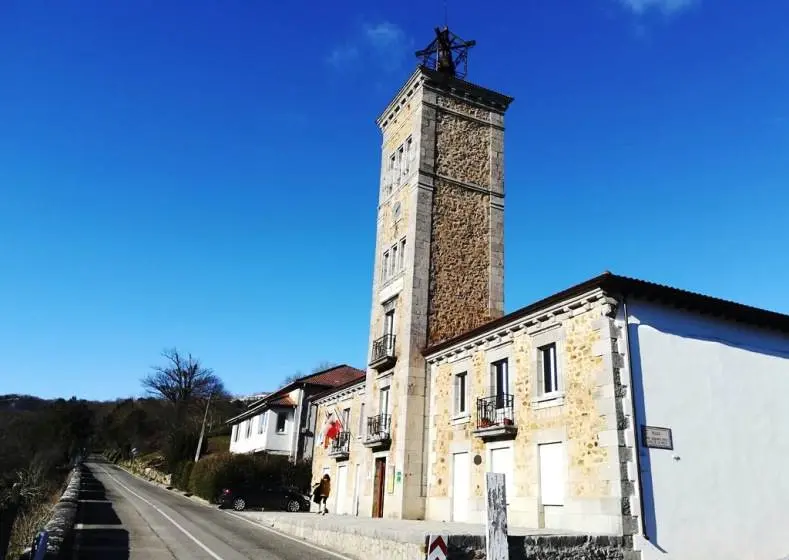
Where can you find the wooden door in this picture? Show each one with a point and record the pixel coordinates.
(378, 487)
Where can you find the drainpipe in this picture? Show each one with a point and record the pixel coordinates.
(635, 419)
(425, 429)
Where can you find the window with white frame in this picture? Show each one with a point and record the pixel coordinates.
(393, 261)
(249, 428)
(409, 155)
(383, 401)
(461, 393)
(281, 422)
(548, 369)
(390, 175)
(262, 423)
(235, 432)
(500, 381)
(385, 266)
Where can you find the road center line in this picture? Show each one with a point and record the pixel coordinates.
(283, 535)
(167, 517)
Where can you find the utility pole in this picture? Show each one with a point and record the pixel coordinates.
(202, 429)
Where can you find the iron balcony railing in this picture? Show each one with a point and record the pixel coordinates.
(378, 427)
(383, 348)
(496, 411)
(342, 444)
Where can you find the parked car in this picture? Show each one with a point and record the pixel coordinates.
(285, 498)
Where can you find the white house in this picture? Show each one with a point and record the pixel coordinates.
(281, 422)
(712, 376)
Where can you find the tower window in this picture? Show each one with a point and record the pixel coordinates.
(385, 267)
(401, 255)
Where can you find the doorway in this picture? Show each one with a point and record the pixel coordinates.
(378, 487)
(342, 489)
(460, 487)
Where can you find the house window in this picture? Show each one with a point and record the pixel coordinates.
(409, 154)
(346, 419)
(249, 428)
(401, 254)
(549, 371)
(383, 401)
(235, 432)
(460, 393)
(385, 267)
(398, 162)
(389, 323)
(281, 418)
(500, 381)
(262, 423)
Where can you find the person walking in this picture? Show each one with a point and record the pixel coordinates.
(324, 489)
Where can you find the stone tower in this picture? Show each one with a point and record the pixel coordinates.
(439, 262)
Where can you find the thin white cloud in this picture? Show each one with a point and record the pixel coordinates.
(343, 55)
(668, 7)
(384, 45)
(384, 36)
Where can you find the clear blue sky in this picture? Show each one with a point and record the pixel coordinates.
(203, 174)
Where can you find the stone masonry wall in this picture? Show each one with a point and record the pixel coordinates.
(577, 421)
(460, 257)
(460, 250)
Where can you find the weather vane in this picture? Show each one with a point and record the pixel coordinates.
(447, 54)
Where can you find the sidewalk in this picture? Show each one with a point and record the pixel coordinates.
(364, 537)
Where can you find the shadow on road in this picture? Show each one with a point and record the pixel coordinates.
(99, 533)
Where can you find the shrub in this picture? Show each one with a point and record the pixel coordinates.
(182, 474)
(221, 470)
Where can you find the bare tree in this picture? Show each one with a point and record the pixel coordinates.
(183, 380)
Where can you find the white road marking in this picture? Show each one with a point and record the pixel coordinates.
(283, 535)
(167, 517)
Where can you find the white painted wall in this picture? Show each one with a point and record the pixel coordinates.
(270, 440)
(722, 387)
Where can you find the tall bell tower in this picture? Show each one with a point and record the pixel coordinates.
(439, 260)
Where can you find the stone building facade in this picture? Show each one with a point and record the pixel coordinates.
(538, 396)
(342, 458)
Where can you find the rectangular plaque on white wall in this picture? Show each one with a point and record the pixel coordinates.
(658, 438)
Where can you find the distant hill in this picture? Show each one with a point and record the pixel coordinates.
(22, 402)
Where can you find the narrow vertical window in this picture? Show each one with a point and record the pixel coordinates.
(402, 255)
(395, 259)
(460, 393)
(500, 382)
(385, 266)
(550, 372)
(383, 402)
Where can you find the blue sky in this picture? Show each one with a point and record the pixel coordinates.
(204, 174)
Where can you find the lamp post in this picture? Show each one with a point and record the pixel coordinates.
(202, 429)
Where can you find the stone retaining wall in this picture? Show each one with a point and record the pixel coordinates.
(61, 522)
(546, 548)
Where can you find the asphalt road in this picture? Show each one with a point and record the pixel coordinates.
(121, 516)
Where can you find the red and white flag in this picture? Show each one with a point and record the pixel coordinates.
(332, 427)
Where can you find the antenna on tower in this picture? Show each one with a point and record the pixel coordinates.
(447, 54)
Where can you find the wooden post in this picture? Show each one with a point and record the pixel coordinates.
(496, 546)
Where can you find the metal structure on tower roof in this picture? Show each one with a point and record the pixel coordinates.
(447, 54)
